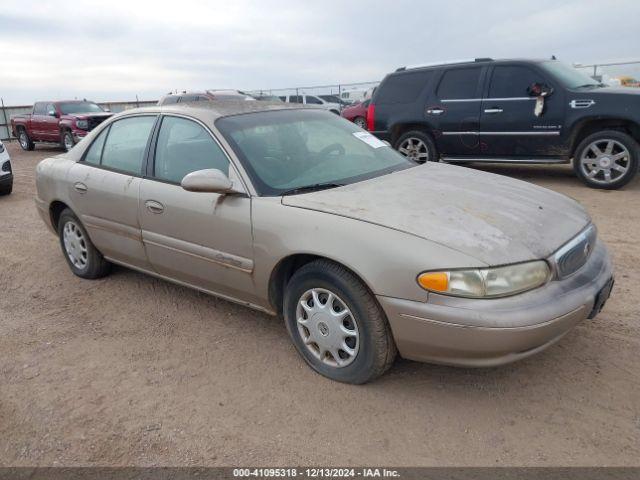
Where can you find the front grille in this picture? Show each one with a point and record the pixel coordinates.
(574, 254)
(6, 166)
(95, 121)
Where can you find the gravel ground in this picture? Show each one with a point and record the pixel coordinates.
(130, 370)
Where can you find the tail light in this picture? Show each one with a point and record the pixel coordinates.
(371, 122)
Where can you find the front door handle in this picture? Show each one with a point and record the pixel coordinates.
(435, 111)
(154, 207)
(493, 110)
(80, 187)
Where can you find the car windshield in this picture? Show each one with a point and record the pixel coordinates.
(79, 107)
(569, 76)
(288, 150)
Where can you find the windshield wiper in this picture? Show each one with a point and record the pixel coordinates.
(311, 188)
(590, 85)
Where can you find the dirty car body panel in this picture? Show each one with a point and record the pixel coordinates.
(386, 229)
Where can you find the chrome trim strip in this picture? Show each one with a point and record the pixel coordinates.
(505, 160)
(506, 99)
(198, 251)
(589, 234)
(98, 223)
(195, 287)
(460, 100)
(530, 133)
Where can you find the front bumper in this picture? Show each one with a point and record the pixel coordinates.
(489, 332)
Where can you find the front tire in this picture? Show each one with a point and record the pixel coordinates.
(7, 189)
(607, 159)
(66, 140)
(361, 122)
(83, 257)
(417, 146)
(25, 141)
(336, 324)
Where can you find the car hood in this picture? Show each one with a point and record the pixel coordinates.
(493, 218)
(89, 115)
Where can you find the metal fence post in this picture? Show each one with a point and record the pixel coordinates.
(6, 122)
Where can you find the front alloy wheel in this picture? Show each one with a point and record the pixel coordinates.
(67, 140)
(607, 159)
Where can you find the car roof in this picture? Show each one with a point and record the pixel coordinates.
(212, 110)
(475, 61)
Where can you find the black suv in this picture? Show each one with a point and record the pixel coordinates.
(512, 111)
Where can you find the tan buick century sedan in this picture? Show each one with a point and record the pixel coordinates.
(299, 213)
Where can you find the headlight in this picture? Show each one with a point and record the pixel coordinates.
(82, 124)
(487, 282)
(1, 148)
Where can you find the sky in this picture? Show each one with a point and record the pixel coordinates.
(115, 50)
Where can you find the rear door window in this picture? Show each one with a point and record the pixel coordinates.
(94, 153)
(510, 81)
(126, 144)
(403, 87)
(459, 83)
(40, 108)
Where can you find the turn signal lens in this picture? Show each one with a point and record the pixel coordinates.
(436, 281)
(487, 282)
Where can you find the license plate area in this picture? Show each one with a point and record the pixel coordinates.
(601, 298)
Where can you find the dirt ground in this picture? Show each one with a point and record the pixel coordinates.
(131, 370)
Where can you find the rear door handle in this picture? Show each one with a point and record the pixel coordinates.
(493, 110)
(154, 207)
(80, 187)
(435, 111)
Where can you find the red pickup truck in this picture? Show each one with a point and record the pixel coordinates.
(64, 123)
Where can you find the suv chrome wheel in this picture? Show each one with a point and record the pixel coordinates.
(327, 327)
(415, 149)
(605, 161)
(24, 140)
(75, 245)
(67, 138)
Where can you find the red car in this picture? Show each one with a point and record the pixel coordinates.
(357, 113)
(64, 123)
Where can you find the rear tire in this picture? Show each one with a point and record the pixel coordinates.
(607, 160)
(348, 340)
(25, 141)
(83, 257)
(417, 146)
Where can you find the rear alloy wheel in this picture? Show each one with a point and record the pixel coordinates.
(417, 146)
(361, 122)
(67, 140)
(24, 140)
(607, 160)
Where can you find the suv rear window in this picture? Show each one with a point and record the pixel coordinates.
(511, 81)
(403, 87)
(459, 83)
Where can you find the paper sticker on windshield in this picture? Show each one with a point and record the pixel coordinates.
(369, 139)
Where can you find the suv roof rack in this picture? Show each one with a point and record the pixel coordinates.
(448, 62)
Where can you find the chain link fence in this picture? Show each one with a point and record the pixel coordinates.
(347, 92)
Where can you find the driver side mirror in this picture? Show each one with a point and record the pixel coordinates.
(52, 113)
(210, 181)
(539, 90)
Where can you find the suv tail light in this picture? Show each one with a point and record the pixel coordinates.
(371, 122)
